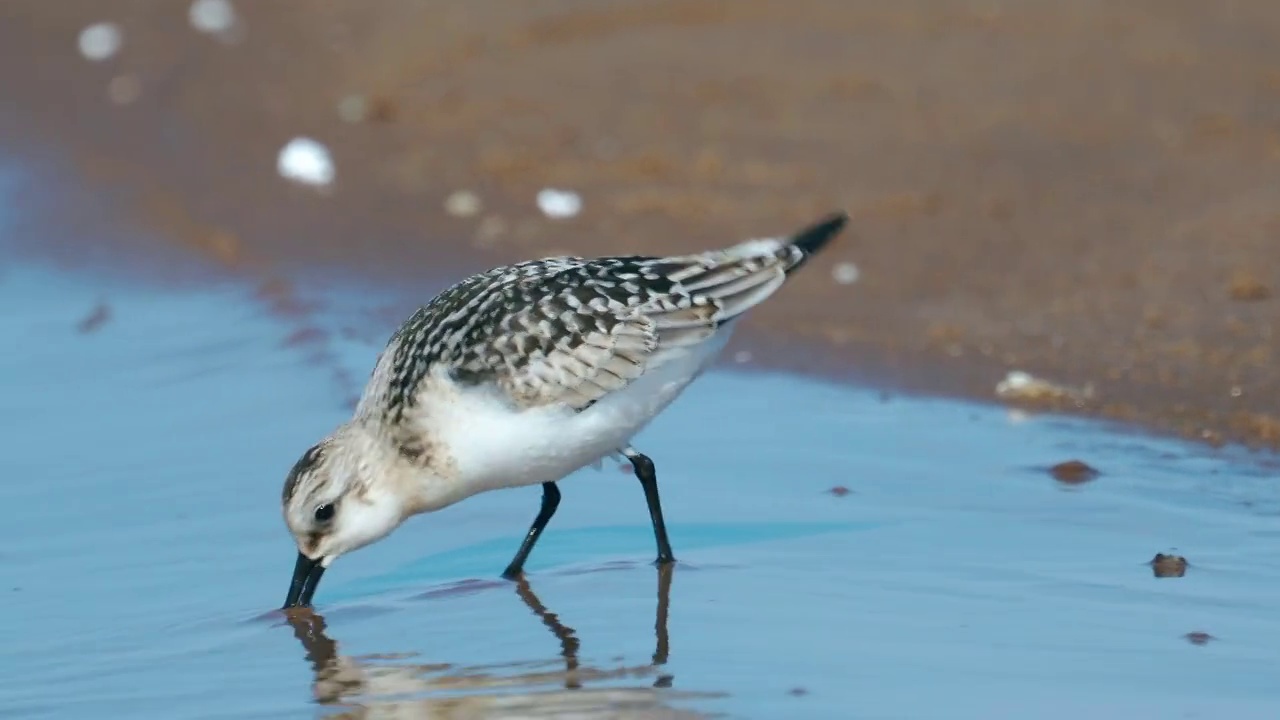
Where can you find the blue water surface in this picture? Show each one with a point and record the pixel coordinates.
(143, 543)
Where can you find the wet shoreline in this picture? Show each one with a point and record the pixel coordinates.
(947, 548)
(1095, 215)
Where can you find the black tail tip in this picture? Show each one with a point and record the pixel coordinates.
(816, 236)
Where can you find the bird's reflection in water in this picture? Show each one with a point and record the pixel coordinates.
(386, 686)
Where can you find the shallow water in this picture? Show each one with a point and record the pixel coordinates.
(143, 545)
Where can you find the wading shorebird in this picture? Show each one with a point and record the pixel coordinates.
(520, 376)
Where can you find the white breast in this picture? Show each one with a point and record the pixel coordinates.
(493, 446)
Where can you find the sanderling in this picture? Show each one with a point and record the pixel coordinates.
(520, 376)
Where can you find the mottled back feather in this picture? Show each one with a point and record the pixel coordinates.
(572, 330)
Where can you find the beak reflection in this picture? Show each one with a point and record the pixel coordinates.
(306, 577)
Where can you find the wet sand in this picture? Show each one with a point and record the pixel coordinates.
(1085, 191)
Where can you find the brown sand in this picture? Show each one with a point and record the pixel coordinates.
(1088, 191)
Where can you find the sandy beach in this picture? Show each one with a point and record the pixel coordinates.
(1085, 192)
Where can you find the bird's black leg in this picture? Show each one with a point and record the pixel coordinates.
(649, 481)
(550, 501)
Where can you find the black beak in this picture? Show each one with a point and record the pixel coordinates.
(306, 577)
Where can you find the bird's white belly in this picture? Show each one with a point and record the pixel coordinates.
(494, 447)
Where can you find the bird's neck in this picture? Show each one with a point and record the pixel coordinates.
(405, 467)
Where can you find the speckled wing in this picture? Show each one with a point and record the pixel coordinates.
(572, 330)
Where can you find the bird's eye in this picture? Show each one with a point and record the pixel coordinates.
(324, 513)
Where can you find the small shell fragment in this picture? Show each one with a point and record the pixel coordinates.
(353, 108)
(305, 161)
(559, 204)
(100, 41)
(462, 203)
(845, 273)
(1023, 386)
(212, 16)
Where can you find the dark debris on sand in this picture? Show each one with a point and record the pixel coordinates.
(1168, 566)
(1073, 472)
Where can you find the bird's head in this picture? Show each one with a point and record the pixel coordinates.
(337, 498)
